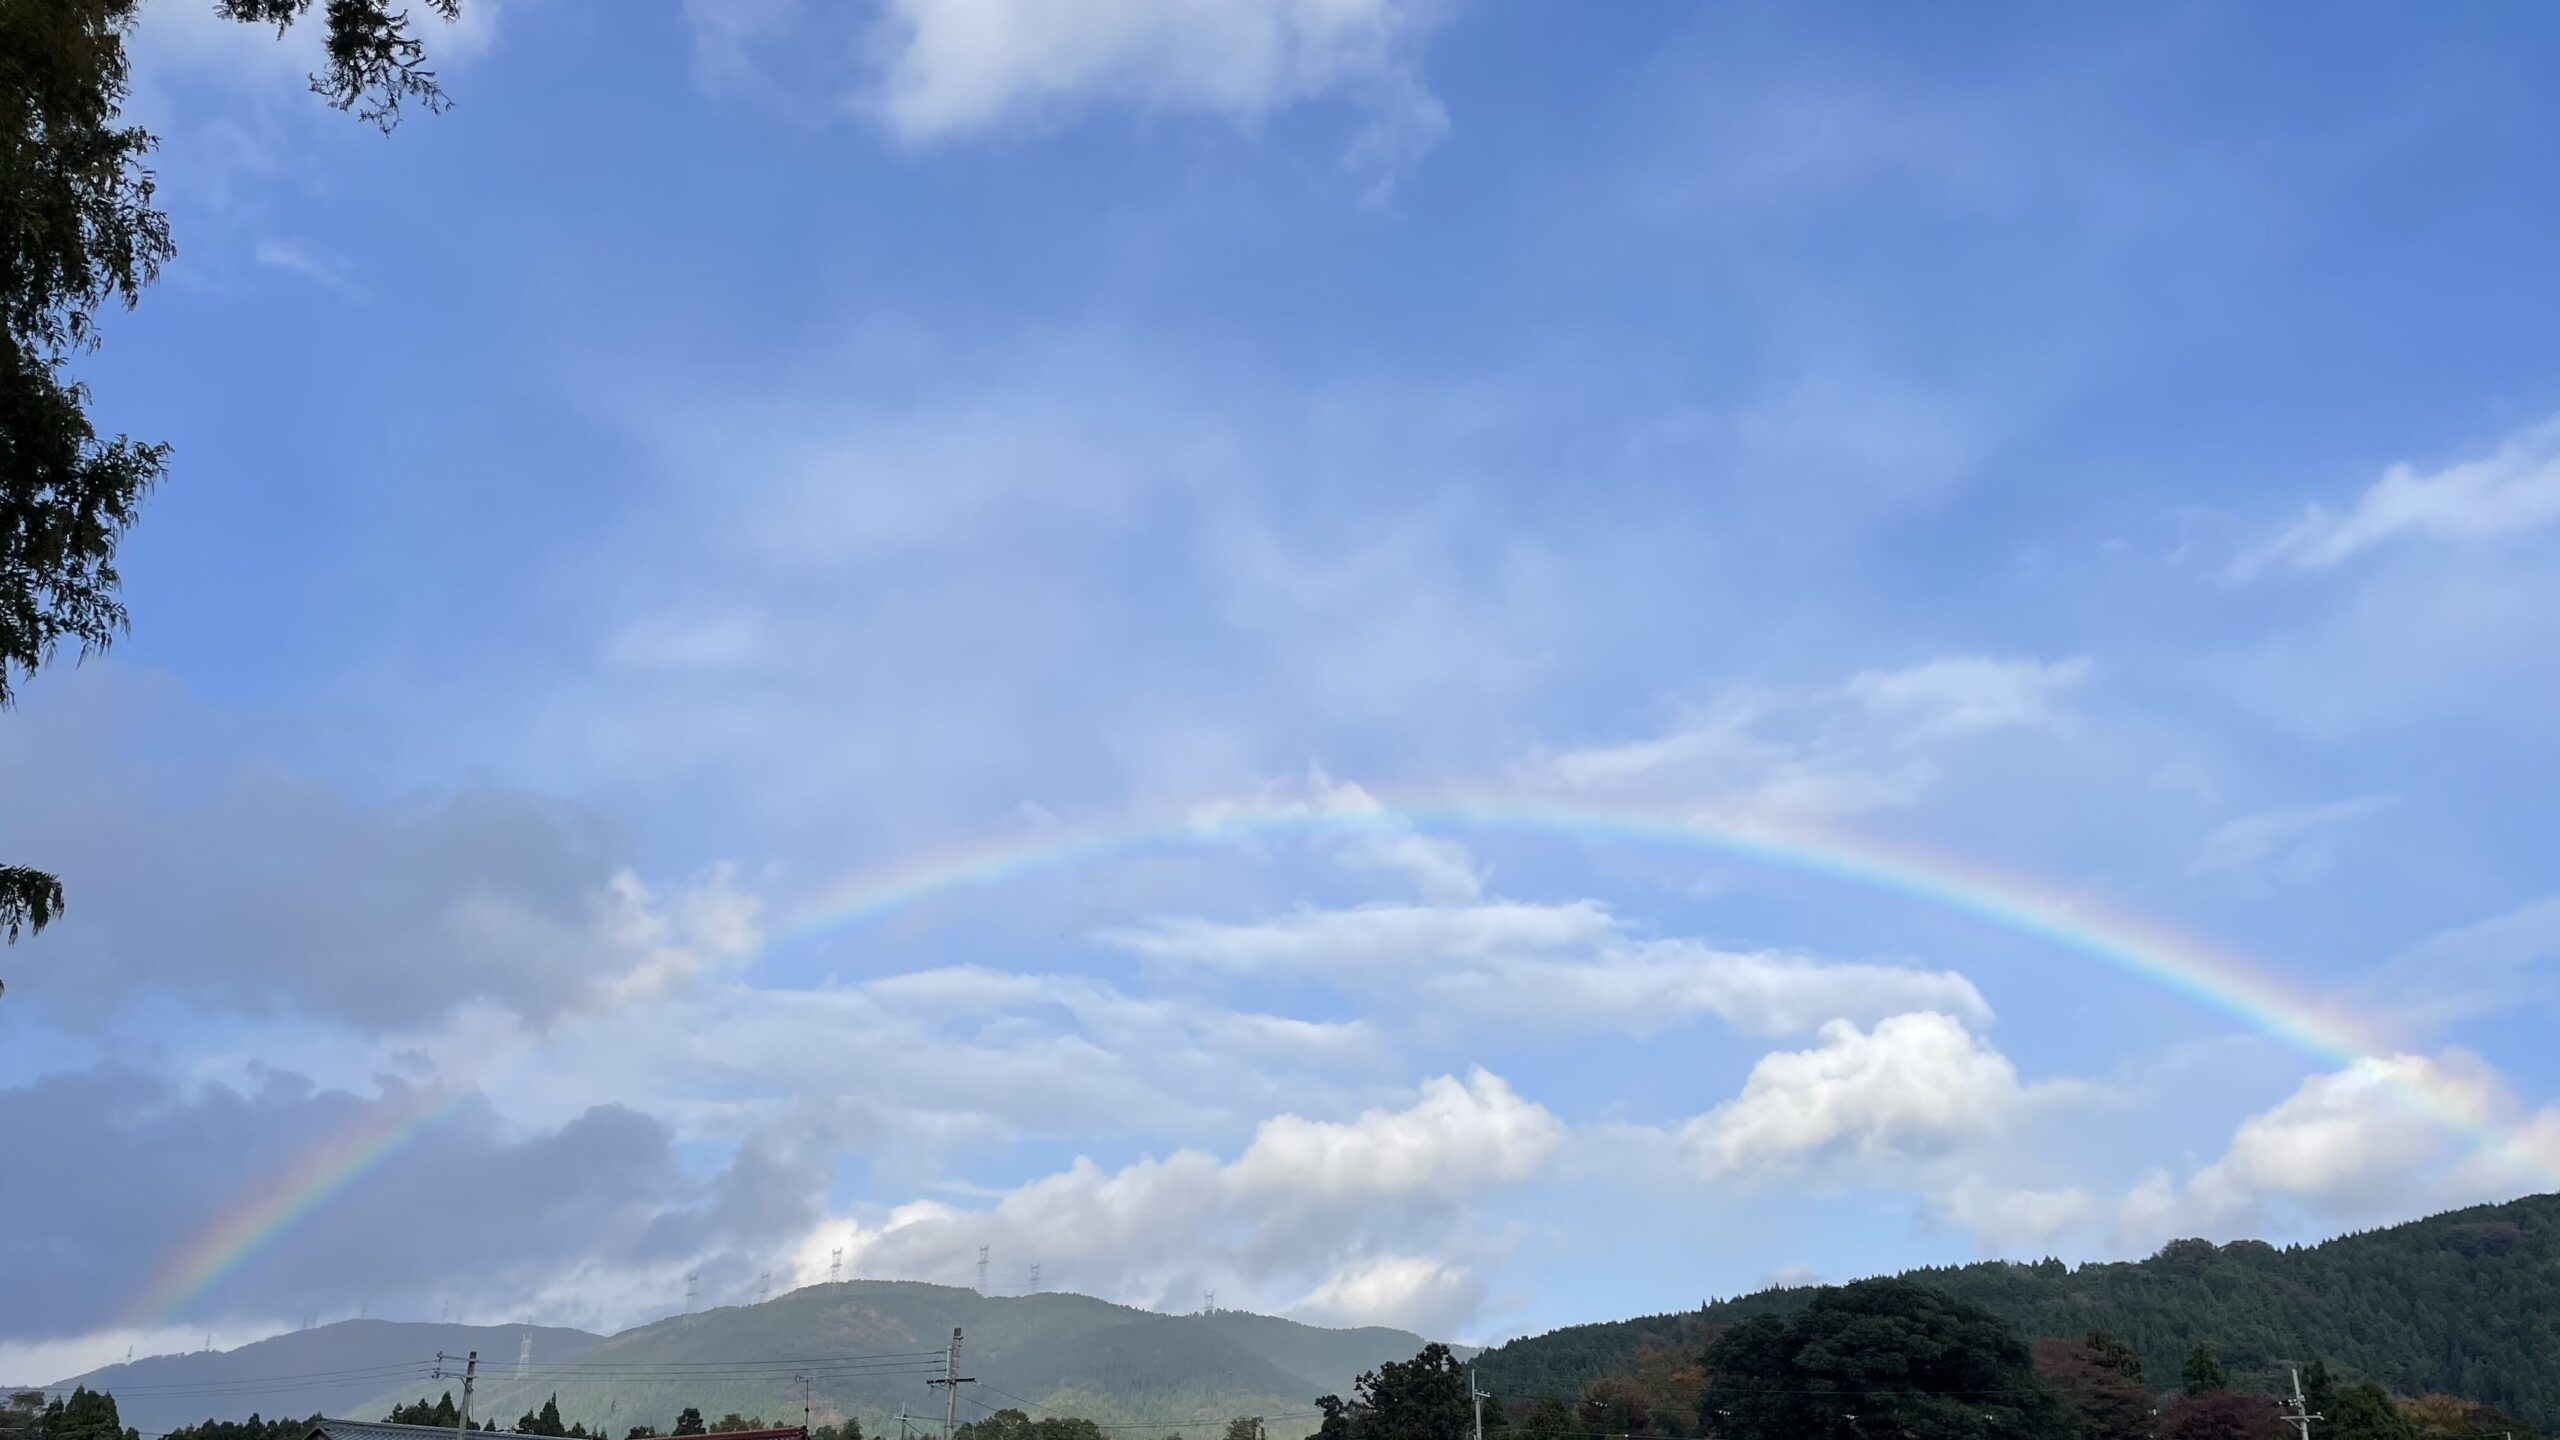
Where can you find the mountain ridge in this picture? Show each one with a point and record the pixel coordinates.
(327, 1368)
(2465, 1302)
(1051, 1353)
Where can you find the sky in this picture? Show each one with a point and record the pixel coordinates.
(1248, 646)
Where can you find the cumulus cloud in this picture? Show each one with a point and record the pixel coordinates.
(2359, 1138)
(2385, 1136)
(1914, 1085)
(2006, 1220)
(1331, 1204)
(2513, 488)
(1870, 743)
(1421, 1293)
(1571, 963)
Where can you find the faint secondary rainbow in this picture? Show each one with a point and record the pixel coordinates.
(266, 1214)
(2191, 967)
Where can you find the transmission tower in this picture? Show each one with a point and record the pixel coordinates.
(982, 1269)
(1209, 1303)
(690, 1276)
(524, 1355)
(835, 1265)
(1035, 1276)
(764, 1286)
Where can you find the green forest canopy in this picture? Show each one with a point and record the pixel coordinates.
(2464, 1304)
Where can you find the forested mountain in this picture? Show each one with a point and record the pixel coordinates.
(2465, 1303)
(333, 1369)
(1055, 1354)
(1051, 1354)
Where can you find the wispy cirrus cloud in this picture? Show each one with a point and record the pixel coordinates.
(2292, 842)
(2512, 489)
(1874, 741)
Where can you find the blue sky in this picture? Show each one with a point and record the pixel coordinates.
(744, 446)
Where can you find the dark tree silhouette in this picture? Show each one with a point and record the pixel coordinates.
(82, 234)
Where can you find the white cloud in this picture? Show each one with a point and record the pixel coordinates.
(330, 272)
(1554, 964)
(2010, 1221)
(2514, 488)
(1363, 939)
(953, 67)
(2358, 1138)
(1370, 837)
(1871, 743)
(1421, 1293)
(2385, 1137)
(1916, 1084)
(1326, 1203)
(1454, 1138)
(1645, 986)
(2294, 843)
(1956, 695)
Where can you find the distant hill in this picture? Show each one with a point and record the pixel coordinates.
(2466, 1303)
(330, 1369)
(1049, 1354)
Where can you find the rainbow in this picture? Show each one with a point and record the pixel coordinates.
(2210, 977)
(266, 1214)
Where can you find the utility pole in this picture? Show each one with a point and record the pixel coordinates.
(2298, 1410)
(470, 1377)
(804, 1404)
(950, 1384)
(982, 1269)
(1478, 1396)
